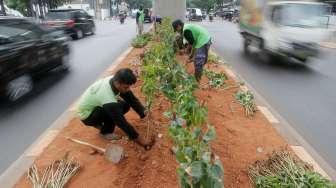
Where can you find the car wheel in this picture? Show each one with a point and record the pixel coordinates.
(79, 34)
(246, 47)
(65, 65)
(19, 87)
(93, 30)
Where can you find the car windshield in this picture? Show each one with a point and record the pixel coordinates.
(301, 15)
(59, 15)
(16, 33)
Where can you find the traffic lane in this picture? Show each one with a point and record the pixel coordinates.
(22, 122)
(304, 95)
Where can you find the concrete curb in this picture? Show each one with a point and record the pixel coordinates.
(297, 143)
(17, 169)
(331, 45)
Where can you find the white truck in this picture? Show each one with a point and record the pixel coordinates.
(291, 29)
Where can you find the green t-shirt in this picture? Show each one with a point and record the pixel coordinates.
(142, 16)
(200, 34)
(98, 94)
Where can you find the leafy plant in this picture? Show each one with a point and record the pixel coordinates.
(162, 73)
(216, 80)
(213, 58)
(151, 70)
(141, 40)
(246, 99)
(283, 170)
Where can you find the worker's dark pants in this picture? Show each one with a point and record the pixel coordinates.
(110, 115)
(200, 59)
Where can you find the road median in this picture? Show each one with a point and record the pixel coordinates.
(244, 134)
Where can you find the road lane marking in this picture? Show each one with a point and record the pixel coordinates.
(268, 114)
(331, 45)
(306, 157)
(118, 61)
(42, 143)
(231, 73)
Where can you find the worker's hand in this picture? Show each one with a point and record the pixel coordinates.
(146, 143)
(187, 50)
(145, 119)
(146, 113)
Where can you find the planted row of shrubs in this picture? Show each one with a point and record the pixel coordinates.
(189, 129)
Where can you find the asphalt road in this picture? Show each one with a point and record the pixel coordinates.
(305, 95)
(22, 122)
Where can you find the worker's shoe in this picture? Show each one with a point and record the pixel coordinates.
(111, 136)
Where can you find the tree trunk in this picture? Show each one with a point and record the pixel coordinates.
(30, 9)
(40, 5)
(2, 6)
(45, 5)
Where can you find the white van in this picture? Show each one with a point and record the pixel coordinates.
(195, 14)
(291, 29)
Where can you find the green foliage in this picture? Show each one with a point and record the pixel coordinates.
(246, 99)
(135, 4)
(19, 5)
(141, 40)
(282, 170)
(213, 58)
(216, 80)
(24, 6)
(161, 73)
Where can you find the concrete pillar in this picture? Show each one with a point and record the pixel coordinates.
(174, 9)
(102, 9)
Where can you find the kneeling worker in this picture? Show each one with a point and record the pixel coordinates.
(101, 107)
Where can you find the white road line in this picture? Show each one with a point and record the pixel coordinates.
(118, 61)
(268, 114)
(306, 157)
(43, 143)
(328, 45)
(230, 73)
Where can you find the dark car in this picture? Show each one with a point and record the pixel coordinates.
(75, 22)
(27, 49)
(148, 16)
(228, 14)
(225, 13)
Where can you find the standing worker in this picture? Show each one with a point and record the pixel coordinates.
(101, 107)
(140, 19)
(199, 41)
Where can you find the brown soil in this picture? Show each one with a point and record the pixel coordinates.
(240, 142)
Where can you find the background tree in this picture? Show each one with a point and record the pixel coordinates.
(2, 7)
(204, 4)
(26, 6)
(135, 4)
